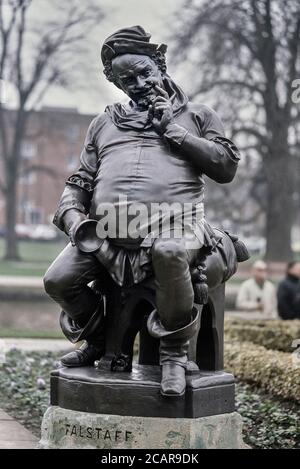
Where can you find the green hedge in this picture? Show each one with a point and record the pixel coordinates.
(275, 372)
(275, 335)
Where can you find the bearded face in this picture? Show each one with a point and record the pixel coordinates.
(137, 75)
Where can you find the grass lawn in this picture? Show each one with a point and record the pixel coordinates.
(30, 334)
(35, 257)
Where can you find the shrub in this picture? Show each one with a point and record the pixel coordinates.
(274, 335)
(267, 421)
(275, 372)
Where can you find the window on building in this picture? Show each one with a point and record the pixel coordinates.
(35, 216)
(28, 178)
(73, 132)
(28, 150)
(32, 215)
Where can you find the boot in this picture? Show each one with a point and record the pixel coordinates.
(92, 330)
(173, 353)
(173, 359)
(84, 356)
(93, 334)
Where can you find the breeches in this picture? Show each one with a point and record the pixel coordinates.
(66, 281)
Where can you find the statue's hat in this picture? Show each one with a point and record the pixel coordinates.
(132, 40)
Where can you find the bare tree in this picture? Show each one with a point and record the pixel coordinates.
(36, 53)
(247, 54)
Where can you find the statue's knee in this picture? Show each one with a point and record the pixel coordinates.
(53, 283)
(169, 251)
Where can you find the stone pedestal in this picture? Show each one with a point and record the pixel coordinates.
(64, 428)
(95, 408)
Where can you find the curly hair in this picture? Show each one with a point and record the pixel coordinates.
(159, 58)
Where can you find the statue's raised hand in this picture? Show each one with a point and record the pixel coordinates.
(161, 111)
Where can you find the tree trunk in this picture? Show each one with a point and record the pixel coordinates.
(12, 167)
(279, 216)
(11, 248)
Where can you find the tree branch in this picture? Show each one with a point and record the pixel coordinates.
(38, 168)
(5, 34)
(251, 131)
(254, 88)
(20, 45)
(294, 51)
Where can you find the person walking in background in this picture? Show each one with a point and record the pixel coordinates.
(258, 295)
(288, 293)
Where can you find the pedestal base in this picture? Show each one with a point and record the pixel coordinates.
(138, 394)
(95, 408)
(63, 428)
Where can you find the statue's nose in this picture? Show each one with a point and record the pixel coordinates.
(140, 82)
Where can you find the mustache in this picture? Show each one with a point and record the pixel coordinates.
(142, 90)
(146, 89)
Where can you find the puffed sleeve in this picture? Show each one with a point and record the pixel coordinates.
(213, 130)
(210, 151)
(80, 185)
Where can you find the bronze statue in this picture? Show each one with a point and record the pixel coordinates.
(153, 150)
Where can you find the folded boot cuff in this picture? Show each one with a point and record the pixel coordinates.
(158, 331)
(74, 333)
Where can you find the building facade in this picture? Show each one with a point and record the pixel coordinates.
(49, 154)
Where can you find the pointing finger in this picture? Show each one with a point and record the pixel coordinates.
(162, 92)
(159, 99)
(161, 107)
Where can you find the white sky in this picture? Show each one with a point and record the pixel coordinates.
(151, 14)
